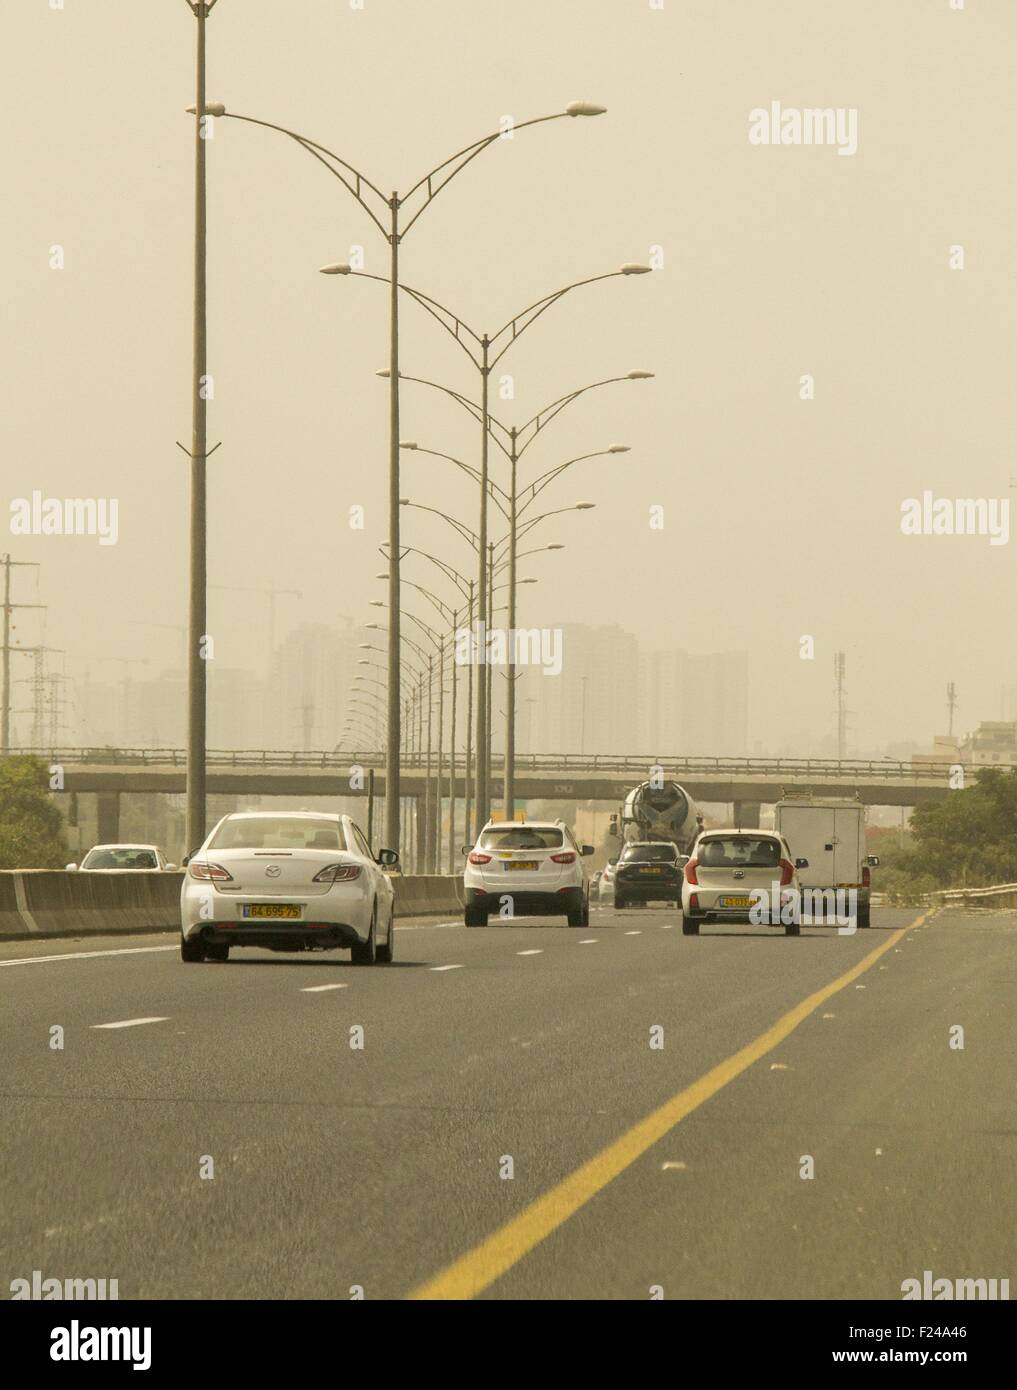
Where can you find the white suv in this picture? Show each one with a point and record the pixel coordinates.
(526, 869)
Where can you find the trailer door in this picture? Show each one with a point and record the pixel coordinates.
(847, 855)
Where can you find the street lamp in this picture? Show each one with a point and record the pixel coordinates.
(385, 212)
(194, 816)
(484, 351)
(508, 503)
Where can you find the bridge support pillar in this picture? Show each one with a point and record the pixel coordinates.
(107, 808)
(746, 814)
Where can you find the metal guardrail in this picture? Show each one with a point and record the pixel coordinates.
(635, 765)
(994, 890)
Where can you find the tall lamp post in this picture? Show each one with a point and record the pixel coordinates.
(387, 214)
(198, 453)
(485, 351)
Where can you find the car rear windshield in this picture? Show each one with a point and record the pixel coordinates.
(278, 832)
(522, 837)
(120, 859)
(739, 851)
(636, 853)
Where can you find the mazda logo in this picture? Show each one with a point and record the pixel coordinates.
(273, 871)
(738, 873)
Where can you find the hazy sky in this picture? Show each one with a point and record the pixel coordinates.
(781, 516)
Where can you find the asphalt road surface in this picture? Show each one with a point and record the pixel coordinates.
(507, 1130)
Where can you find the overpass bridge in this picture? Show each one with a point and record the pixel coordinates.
(745, 782)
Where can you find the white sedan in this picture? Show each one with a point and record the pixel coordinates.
(123, 858)
(288, 881)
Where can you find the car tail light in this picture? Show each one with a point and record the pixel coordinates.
(337, 873)
(690, 871)
(207, 873)
(475, 857)
(693, 902)
(566, 858)
(866, 876)
(787, 872)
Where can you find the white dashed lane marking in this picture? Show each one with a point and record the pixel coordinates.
(320, 989)
(529, 953)
(589, 941)
(446, 967)
(633, 933)
(130, 1023)
(88, 955)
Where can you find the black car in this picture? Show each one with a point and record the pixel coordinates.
(649, 871)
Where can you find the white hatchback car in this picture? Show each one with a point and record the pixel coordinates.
(728, 867)
(526, 869)
(288, 881)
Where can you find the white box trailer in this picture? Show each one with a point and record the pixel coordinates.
(830, 833)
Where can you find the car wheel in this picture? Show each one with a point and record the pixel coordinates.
(367, 953)
(217, 952)
(793, 929)
(690, 927)
(386, 953)
(475, 917)
(191, 951)
(619, 902)
(575, 917)
(586, 914)
(863, 919)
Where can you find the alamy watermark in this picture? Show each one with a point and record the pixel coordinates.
(480, 645)
(66, 516)
(965, 1290)
(810, 125)
(956, 516)
(777, 906)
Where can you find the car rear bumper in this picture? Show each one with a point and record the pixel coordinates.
(530, 903)
(277, 936)
(648, 890)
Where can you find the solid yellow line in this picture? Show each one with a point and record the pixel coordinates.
(475, 1271)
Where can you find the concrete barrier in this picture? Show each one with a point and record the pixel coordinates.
(420, 894)
(54, 903)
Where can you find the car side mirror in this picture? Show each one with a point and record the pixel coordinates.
(170, 867)
(188, 857)
(464, 849)
(588, 849)
(71, 868)
(872, 860)
(801, 863)
(388, 857)
(683, 859)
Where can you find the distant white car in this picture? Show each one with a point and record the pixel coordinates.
(288, 881)
(605, 885)
(724, 869)
(123, 858)
(530, 868)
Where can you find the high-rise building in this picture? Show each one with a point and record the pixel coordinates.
(694, 705)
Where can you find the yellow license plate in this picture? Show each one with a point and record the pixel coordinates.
(651, 870)
(734, 902)
(273, 910)
(523, 864)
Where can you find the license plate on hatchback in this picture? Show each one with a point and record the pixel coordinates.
(733, 902)
(522, 864)
(275, 911)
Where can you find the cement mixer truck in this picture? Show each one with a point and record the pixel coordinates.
(659, 811)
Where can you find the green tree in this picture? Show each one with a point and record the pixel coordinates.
(970, 839)
(31, 827)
